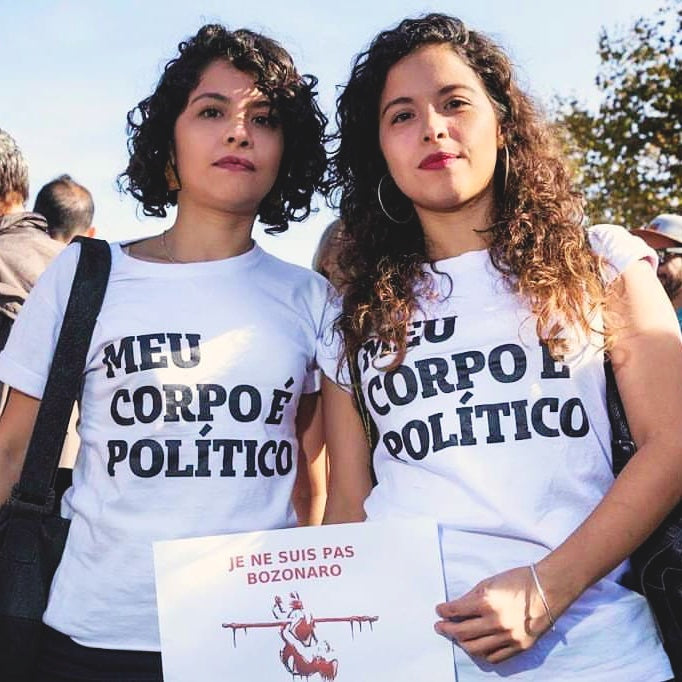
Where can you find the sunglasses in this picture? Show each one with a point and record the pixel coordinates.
(665, 255)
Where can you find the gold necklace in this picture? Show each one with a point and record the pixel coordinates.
(166, 249)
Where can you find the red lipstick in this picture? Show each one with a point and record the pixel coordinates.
(437, 161)
(235, 163)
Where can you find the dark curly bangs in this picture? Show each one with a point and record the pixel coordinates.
(151, 123)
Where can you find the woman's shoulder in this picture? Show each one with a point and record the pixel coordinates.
(302, 291)
(54, 284)
(619, 248)
(292, 269)
(294, 276)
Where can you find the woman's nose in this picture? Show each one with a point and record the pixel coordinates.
(238, 134)
(435, 127)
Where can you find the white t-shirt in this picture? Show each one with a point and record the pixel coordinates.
(187, 427)
(509, 451)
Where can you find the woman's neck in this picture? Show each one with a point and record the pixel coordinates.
(452, 233)
(205, 234)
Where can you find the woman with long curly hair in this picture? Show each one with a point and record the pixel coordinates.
(476, 311)
(199, 393)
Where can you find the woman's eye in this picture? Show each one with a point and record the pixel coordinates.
(401, 117)
(210, 112)
(454, 103)
(266, 120)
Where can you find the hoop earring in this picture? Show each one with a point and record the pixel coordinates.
(383, 208)
(171, 175)
(506, 169)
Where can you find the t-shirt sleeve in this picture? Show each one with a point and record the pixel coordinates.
(330, 346)
(320, 296)
(619, 249)
(26, 359)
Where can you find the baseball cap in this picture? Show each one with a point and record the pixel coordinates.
(662, 232)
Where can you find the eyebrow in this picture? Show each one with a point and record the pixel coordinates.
(443, 91)
(226, 100)
(210, 95)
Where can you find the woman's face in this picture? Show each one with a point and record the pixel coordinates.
(438, 131)
(228, 143)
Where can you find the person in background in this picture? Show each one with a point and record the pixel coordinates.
(325, 258)
(664, 234)
(25, 247)
(68, 208)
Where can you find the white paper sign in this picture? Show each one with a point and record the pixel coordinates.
(351, 603)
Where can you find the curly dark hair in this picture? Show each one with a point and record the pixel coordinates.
(151, 122)
(537, 239)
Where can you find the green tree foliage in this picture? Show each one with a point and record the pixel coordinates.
(628, 156)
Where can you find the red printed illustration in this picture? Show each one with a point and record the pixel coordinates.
(303, 654)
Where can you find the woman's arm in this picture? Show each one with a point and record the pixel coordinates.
(16, 427)
(350, 481)
(310, 489)
(504, 614)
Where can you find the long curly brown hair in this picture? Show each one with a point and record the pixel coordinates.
(537, 239)
(151, 122)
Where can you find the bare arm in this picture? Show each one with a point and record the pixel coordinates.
(349, 458)
(505, 612)
(16, 426)
(310, 490)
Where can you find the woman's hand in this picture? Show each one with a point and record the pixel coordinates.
(499, 617)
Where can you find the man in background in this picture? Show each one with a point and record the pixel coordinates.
(67, 207)
(664, 234)
(25, 246)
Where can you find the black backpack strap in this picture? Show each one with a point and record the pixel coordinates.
(371, 431)
(622, 444)
(66, 372)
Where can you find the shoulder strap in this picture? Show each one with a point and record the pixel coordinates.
(622, 444)
(66, 371)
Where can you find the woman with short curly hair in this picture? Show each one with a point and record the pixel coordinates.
(199, 393)
(295, 112)
(472, 327)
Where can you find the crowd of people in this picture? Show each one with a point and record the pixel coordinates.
(453, 369)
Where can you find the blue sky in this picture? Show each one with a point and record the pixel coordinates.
(73, 68)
